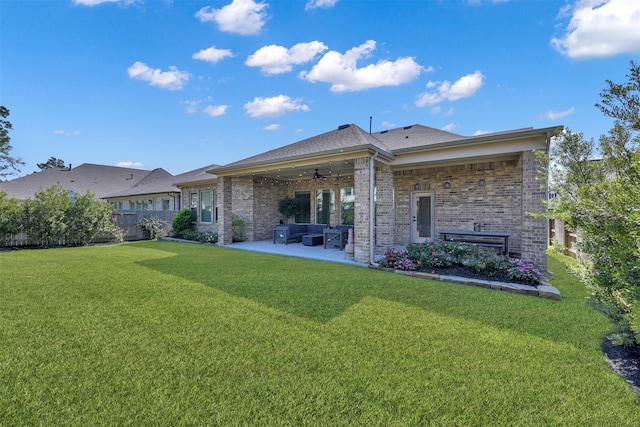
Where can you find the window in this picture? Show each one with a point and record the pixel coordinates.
(324, 206)
(304, 198)
(206, 201)
(347, 203)
(165, 205)
(193, 205)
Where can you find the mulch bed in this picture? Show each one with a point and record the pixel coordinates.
(625, 360)
(462, 271)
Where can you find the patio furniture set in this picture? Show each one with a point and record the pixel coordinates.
(312, 234)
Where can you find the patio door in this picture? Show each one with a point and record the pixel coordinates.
(422, 214)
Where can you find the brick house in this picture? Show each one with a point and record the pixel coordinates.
(395, 186)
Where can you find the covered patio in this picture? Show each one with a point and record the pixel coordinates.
(297, 250)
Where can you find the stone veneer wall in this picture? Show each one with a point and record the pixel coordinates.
(497, 205)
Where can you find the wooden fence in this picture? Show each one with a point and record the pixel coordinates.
(125, 220)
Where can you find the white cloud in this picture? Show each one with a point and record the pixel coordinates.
(66, 133)
(212, 54)
(130, 164)
(388, 124)
(451, 127)
(481, 132)
(272, 127)
(245, 17)
(465, 87)
(273, 59)
(324, 4)
(601, 28)
(555, 115)
(273, 107)
(342, 72)
(216, 110)
(173, 79)
(192, 106)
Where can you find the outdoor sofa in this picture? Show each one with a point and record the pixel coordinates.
(286, 233)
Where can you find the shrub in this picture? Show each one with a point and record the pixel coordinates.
(525, 271)
(237, 228)
(11, 212)
(182, 222)
(398, 260)
(152, 226)
(443, 254)
(87, 218)
(45, 216)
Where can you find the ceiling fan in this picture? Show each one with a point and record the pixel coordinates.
(317, 175)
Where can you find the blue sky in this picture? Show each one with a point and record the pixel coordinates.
(184, 84)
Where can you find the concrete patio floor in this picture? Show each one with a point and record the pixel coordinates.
(296, 250)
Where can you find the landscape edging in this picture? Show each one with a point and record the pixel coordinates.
(544, 290)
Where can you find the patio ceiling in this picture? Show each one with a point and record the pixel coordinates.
(328, 169)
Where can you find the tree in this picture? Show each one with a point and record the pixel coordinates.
(6, 161)
(599, 198)
(52, 163)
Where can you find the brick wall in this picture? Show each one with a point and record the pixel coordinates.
(361, 230)
(534, 230)
(497, 205)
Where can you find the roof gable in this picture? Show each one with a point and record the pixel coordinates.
(346, 137)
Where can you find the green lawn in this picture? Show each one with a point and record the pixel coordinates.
(163, 333)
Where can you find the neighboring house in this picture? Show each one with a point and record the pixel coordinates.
(200, 194)
(100, 179)
(154, 192)
(397, 187)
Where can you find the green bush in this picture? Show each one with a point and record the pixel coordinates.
(45, 216)
(182, 222)
(443, 254)
(11, 212)
(152, 226)
(237, 228)
(87, 218)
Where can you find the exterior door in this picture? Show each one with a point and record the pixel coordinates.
(422, 213)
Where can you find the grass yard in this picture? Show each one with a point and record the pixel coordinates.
(164, 333)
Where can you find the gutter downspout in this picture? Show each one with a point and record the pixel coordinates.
(372, 211)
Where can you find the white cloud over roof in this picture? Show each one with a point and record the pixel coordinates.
(342, 72)
(464, 87)
(173, 79)
(245, 17)
(601, 28)
(273, 59)
(130, 164)
(273, 107)
(212, 54)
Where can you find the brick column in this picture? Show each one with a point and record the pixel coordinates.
(534, 230)
(385, 214)
(225, 234)
(361, 233)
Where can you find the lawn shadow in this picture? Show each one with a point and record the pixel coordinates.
(320, 291)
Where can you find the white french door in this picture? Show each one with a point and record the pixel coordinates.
(422, 214)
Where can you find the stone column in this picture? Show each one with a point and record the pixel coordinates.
(534, 230)
(361, 219)
(225, 233)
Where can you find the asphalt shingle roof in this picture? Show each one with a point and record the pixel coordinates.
(100, 179)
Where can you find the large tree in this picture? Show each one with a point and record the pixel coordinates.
(7, 162)
(599, 189)
(52, 163)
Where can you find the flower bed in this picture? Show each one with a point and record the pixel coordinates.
(462, 259)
